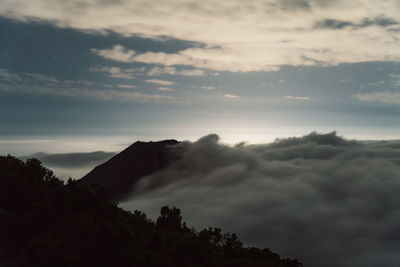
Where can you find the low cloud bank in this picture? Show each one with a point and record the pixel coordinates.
(323, 199)
(73, 159)
(73, 165)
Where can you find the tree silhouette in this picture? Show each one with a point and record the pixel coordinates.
(169, 220)
(44, 222)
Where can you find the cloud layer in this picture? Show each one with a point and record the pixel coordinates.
(328, 201)
(33, 83)
(74, 165)
(382, 97)
(236, 35)
(73, 160)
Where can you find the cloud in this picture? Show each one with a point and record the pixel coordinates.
(25, 141)
(231, 96)
(325, 200)
(207, 87)
(41, 84)
(160, 82)
(42, 78)
(118, 53)
(72, 160)
(74, 165)
(298, 97)
(207, 58)
(130, 73)
(191, 72)
(165, 89)
(395, 79)
(126, 86)
(235, 35)
(115, 72)
(383, 97)
(156, 71)
(10, 78)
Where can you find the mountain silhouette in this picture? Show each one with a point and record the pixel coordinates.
(119, 174)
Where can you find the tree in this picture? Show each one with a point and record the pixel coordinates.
(170, 220)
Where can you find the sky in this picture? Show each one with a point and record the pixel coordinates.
(88, 75)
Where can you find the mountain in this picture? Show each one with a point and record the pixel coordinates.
(119, 174)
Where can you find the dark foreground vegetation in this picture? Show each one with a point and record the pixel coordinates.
(44, 222)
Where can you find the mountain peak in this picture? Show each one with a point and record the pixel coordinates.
(120, 174)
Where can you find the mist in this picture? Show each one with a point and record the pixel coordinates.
(320, 198)
(74, 165)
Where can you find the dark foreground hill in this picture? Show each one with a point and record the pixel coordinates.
(119, 174)
(44, 222)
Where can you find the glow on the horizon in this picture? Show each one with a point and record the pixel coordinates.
(229, 135)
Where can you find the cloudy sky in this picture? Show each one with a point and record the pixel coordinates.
(88, 75)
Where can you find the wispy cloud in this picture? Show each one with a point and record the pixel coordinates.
(160, 82)
(126, 86)
(207, 87)
(382, 97)
(213, 58)
(25, 141)
(118, 53)
(231, 96)
(72, 160)
(191, 72)
(132, 73)
(298, 97)
(42, 78)
(115, 72)
(395, 79)
(41, 84)
(156, 71)
(166, 89)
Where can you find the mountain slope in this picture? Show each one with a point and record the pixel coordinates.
(119, 174)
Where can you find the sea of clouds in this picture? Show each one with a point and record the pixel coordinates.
(320, 198)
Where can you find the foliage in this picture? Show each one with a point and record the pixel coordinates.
(44, 222)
